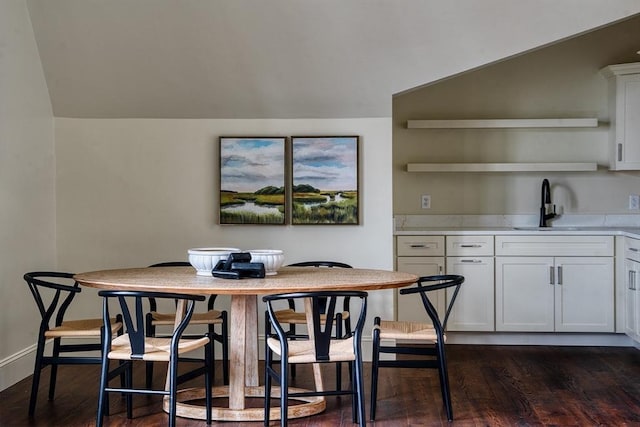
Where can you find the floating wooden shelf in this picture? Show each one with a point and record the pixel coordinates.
(502, 123)
(501, 167)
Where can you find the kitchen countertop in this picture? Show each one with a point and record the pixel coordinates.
(564, 230)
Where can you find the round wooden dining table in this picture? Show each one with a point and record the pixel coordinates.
(243, 346)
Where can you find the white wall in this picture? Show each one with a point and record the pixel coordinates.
(27, 192)
(135, 192)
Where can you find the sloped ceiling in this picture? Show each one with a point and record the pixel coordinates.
(282, 58)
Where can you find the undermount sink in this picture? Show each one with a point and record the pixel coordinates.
(547, 228)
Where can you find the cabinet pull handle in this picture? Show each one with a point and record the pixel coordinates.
(418, 245)
(475, 261)
(551, 275)
(559, 275)
(439, 269)
(471, 246)
(634, 249)
(632, 280)
(619, 152)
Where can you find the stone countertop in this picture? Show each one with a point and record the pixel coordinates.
(575, 231)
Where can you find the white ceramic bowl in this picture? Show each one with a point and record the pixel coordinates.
(271, 258)
(204, 259)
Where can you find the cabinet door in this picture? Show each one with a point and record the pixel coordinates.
(584, 293)
(524, 294)
(632, 299)
(410, 307)
(473, 309)
(627, 126)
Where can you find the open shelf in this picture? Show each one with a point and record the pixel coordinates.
(501, 167)
(502, 123)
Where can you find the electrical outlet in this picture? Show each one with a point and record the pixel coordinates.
(634, 202)
(426, 201)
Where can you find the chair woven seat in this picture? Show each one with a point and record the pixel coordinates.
(303, 351)
(289, 315)
(81, 328)
(155, 349)
(209, 317)
(399, 330)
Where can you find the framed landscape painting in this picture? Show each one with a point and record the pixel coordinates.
(324, 180)
(252, 180)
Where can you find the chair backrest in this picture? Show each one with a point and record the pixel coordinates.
(53, 293)
(434, 283)
(134, 316)
(322, 330)
(328, 264)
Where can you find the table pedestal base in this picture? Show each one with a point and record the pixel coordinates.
(310, 405)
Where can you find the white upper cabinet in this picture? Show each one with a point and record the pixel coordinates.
(624, 112)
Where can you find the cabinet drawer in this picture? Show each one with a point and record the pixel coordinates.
(536, 245)
(420, 246)
(632, 249)
(469, 245)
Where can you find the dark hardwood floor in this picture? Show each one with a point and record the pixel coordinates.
(491, 386)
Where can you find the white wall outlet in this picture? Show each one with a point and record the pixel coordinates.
(634, 202)
(425, 201)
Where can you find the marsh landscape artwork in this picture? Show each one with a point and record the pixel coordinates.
(252, 180)
(325, 180)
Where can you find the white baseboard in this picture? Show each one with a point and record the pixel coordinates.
(17, 367)
(573, 339)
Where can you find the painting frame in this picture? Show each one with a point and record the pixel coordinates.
(253, 180)
(332, 162)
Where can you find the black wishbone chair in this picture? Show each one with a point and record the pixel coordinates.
(211, 318)
(135, 346)
(322, 347)
(431, 332)
(294, 317)
(53, 293)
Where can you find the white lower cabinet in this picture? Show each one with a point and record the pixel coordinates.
(632, 288)
(410, 307)
(473, 309)
(524, 283)
(554, 294)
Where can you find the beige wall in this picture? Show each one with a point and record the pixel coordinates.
(27, 179)
(559, 81)
(135, 192)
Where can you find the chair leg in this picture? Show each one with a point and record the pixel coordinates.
(359, 382)
(375, 359)
(173, 381)
(36, 376)
(211, 349)
(354, 394)
(284, 393)
(267, 386)
(151, 331)
(54, 368)
(103, 397)
(339, 365)
(225, 349)
(444, 381)
(129, 384)
(208, 379)
(292, 330)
